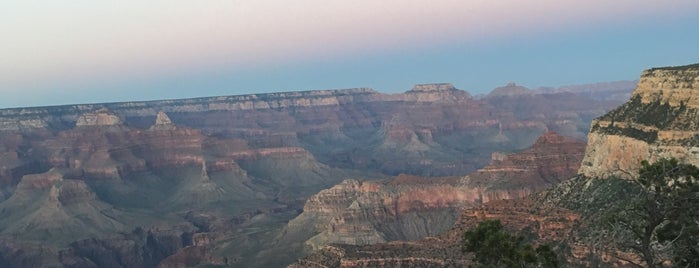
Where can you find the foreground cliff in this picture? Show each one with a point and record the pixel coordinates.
(661, 120)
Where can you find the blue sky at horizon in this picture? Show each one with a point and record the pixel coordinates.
(83, 52)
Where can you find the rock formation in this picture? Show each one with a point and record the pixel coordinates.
(550, 160)
(127, 187)
(440, 121)
(409, 208)
(444, 250)
(660, 120)
(101, 117)
(606, 91)
(509, 90)
(163, 122)
(100, 183)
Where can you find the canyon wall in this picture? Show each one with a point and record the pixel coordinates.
(661, 120)
(215, 180)
(409, 207)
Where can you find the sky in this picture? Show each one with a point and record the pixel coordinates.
(86, 51)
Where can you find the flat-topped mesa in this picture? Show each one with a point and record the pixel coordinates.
(673, 85)
(432, 87)
(101, 117)
(437, 92)
(661, 120)
(162, 122)
(509, 90)
(262, 101)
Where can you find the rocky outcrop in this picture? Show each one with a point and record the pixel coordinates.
(606, 91)
(10, 124)
(409, 207)
(444, 250)
(661, 120)
(438, 92)
(103, 181)
(48, 207)
(368, 213)
(552, 159)
(163, 122)
(509, 90)
(101, 117)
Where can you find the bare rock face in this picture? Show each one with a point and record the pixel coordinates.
(101, 117)
(163, 122)
(552, 159)
(433, 87)
(440, 92)
(660, 120)
(98, 182)
(511, 89)
(410, 207)
(8, 124)
(672, 85)
(618, 90)
(352, 128)
(444, 250)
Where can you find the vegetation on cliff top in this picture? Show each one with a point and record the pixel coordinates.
(660, 223)
(656, 114)
(494, 247)
(677, 68)
(650, 221)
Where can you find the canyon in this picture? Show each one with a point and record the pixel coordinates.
(658, 121)
(409, 207)
(227, 180)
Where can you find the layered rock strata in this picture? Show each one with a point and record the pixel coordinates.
(409, 207)
(444, 250)
(102, 178)
(661, 120)
(432, 129)
(249, 162)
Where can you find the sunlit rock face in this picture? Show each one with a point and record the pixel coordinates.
(661, 120)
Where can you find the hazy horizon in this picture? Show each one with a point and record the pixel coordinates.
(111, 51)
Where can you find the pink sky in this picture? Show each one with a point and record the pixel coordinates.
(48, 42)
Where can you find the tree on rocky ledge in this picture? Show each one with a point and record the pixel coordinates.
(494, 247)
(661, 222)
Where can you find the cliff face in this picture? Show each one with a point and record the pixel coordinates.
(432, 129)
(550, 160)
(79, 187)
(660, 120)
(409, 208)
(216, 179)
(444, 250)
